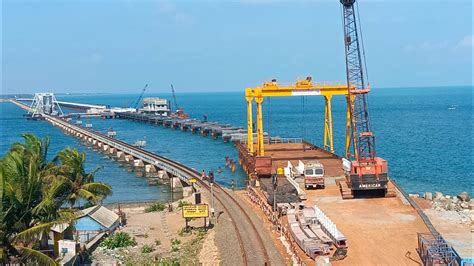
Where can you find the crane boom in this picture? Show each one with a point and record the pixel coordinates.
(366, 172)
(363, 139)
(140, 97)
(174, 98)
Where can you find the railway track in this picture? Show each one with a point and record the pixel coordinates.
(251, 245)
(250, 242)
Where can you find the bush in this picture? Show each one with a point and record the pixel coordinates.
(175, 244)
(147, 249)
(157, 242)
(168, 262)
(118, 240)
(182, 203)
(155, 207)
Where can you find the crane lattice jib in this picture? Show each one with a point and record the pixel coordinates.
(363, 139)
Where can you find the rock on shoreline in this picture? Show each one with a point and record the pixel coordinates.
(461, 205)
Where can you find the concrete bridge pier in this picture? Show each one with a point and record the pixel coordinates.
(120, 156)
(150, 171)
(176, 185)
(139, 168)
(105, 148)
(129, 159)
(112, 151)
(138, 163)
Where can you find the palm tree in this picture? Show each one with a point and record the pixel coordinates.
(81, 184)
(31, 197)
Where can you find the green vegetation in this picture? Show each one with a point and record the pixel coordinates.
(32, 191)
(147, 249)
(183, 253)
(168, 262)
(152, 261)
(175, 244)
(182, 203)
(155, 207)
(81, 184)
(157, 242)
(118, 240)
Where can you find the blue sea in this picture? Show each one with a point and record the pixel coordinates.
(424, 133)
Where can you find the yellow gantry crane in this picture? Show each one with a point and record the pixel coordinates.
(301, 88)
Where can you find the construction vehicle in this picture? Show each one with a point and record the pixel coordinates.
(312, 173)
(366, 171)
(179, 113)
(140, 97)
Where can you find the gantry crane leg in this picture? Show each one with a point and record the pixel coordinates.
(249, 124)
(260, 148)
(328, 136)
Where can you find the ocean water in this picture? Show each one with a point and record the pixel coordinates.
(424, 133)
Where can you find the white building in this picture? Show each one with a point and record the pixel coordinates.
(156, 106)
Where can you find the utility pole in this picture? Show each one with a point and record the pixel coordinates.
(211, 182)
(212, 199)
(275, 186)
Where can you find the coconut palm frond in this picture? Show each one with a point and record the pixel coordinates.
(98, 188)
(32, 233)
(30, 254)
(87, 195)
(67, 215)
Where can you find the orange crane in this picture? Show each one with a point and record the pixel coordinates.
(179, 113)
(366, 171)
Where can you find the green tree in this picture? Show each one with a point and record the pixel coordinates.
(81, 184)
(31, 194)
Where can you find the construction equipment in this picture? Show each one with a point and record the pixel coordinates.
(312, 173)
(140, 97)
(366, 171)
(176, 107)
(179, 113)
(305, 87)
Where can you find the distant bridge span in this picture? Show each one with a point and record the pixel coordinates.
(70, 105)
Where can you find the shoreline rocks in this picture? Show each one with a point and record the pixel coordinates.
(461, 205)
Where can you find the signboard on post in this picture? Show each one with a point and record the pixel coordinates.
(196, 211)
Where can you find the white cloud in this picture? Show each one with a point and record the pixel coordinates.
(467, 41)
(169, 9)
(432, 46)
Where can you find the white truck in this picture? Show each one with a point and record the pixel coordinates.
(312, 173)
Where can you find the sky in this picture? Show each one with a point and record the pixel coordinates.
(115, 46)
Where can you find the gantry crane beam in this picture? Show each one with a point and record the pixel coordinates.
(301, 88)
